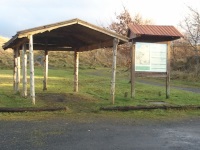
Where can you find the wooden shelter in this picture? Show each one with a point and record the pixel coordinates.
(73, 35)
(152, 34)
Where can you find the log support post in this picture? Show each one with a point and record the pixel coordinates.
(115, 44)
(45, 70)
(14, 70)
(76, 67)
(31, 62)
(24, 70)
(133, 70)
(168, 71)
(18, 70)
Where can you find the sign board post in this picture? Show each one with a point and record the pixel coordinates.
(168, 72)
(133, 70)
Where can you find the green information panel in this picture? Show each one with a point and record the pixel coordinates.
(150, 57)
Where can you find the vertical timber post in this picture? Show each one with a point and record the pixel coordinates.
(133, 70)
(31, 62)
(76, 66)
(18, 70)
(115, 44)
(14, 70)
(168, 71)
(24, 70)
(45, 71)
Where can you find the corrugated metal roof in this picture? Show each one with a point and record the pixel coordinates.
(153, 31)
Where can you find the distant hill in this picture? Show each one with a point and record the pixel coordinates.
(2, 41)
(5, 56)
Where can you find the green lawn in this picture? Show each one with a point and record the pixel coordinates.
(94, 91)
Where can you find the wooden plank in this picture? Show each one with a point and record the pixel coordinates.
(133, 70)
(14, 70)
(50, 27)
(45, 71)
(52, 48)
(96, 46)
(102, 30)
(24, 70)
(76, 66)
(41, 29)
(150, 74)
(32, 74)
(21, 42)
(168, 71)
(115, 44)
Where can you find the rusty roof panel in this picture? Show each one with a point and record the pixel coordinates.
(140, 31)
(154, 30)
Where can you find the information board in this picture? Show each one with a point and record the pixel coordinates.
(150, 57)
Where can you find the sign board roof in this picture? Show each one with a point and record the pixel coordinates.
(152, 33)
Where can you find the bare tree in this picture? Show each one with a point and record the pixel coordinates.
(123, 19)
(191, 26)
(120, 26)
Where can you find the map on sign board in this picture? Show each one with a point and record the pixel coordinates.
(150, 57)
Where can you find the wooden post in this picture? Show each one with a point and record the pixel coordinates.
(14, 70)
(76, 66)
(18, 70)
(24, 70)
(115, 44)
(31, 62)
(168, 71)
(133, 70)
(45, 71)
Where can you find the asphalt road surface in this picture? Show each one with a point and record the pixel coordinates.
(62, 134)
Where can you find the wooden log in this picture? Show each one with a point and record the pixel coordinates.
(45, 71)
(133, 70)
(129, 108)
(24, 70)
(115, 44)
(32, 74)
(76, 66)
(31, 109)
(14, 70)
(168, 71)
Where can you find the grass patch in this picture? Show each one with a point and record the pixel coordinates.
(94, 92)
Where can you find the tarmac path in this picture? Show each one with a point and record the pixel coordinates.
(63, 134)
(189, 89)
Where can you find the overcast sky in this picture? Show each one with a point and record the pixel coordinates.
(16, 15)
